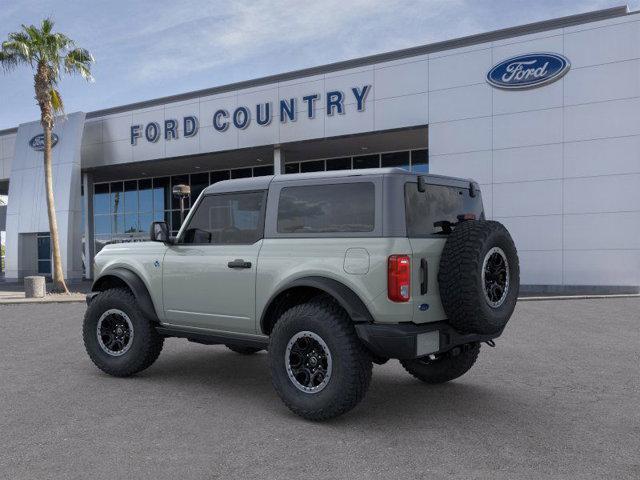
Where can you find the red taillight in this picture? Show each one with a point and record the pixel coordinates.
(399, 278)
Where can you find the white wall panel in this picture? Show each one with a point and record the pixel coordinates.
(487, 200)
(475, 165)
(302, 89)
(460, 136)
(540, 162)
(603, 45)
(399, 80)
(352, 121)
(602, 231)
(92, 133)
(303, 129)
(117, 152)
(8, 146)
(345, 82)
(255, 135)
(547, 42)
(458, 70)
(212, 140)
(601, 120)
(460, 103)
(599, 83)
(611, 193)
(602, 157)
(527, 198)
(540, 267)
(117, 127)
(512, 101)
(602, 267)
(542, 232)
(527, 128)
(398, 112)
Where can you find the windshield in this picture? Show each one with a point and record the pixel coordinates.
(435, 210)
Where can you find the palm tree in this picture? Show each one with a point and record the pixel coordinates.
(47, 53)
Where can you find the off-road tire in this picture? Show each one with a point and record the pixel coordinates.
(351, 373)
(460, 277)
(243, 350)
(146, 344)
(450, 365)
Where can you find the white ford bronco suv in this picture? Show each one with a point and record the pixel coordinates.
(328, 272)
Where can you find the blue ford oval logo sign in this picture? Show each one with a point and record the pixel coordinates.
(37, 142)
(528, 71)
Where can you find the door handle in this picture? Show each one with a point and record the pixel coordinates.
(239, 263)
(424, 280)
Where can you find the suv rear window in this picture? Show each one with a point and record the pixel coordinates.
(437, 203)
(343, 207)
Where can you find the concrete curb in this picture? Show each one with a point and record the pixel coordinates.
(73, 298)
(578, 297)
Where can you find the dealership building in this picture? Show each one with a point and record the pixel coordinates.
(544, 116)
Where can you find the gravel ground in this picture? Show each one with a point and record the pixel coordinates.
(558, 398)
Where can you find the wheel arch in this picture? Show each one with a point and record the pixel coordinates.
(301, 289)
(123, 277)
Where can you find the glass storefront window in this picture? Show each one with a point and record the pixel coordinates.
(292, 168)
(117, 203)
(131, 196)
(420, 161)
(339, 164)
(199, 181)
(395, 159)
(145, 195)
(101, 199)
(161, 194)
(219, 176)
(131, 223)
(144, 222)
(241, 173)
(313, 166)
(263, 171)
(366, 161)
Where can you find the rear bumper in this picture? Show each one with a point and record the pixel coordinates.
(407, 340)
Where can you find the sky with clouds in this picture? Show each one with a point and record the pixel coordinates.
(149, 49)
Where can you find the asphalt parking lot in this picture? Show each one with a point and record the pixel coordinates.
(558, 398)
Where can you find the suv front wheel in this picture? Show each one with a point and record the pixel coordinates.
(119, 339)
(319, 368)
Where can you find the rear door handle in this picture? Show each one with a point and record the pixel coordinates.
(424, 281)
(239, 263)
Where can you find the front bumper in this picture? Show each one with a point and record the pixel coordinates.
(407, 340)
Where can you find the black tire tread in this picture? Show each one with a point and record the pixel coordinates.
(459, 277)
(354, 389)
(152, 341)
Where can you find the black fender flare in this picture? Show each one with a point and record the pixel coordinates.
(345, 296)
(135, 284)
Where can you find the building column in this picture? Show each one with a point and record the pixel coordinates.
(87, 186)
(278, 160)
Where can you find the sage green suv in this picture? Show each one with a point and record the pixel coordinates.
(329, 272)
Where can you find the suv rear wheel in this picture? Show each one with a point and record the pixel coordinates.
(119, 339)
(319, 368)
(444, 367)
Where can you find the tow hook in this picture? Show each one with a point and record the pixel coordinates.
(491, 343)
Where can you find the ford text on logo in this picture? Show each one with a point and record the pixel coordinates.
(286, 110)
(528, 71)
(37, 142)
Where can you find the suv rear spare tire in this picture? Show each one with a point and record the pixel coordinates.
(479, 277)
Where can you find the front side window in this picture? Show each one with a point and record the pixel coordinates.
(344, 207)
(227, 219)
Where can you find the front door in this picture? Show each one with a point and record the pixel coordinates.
(209, 275)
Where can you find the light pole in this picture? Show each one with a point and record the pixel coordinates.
(181, 192)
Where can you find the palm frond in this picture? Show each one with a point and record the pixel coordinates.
(79, 60)
(56, 101)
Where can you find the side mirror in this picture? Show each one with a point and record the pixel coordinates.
(159, 232)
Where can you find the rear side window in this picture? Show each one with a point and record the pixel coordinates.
(437, 203)
(343, 207)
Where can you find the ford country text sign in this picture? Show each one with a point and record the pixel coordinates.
(528, 71)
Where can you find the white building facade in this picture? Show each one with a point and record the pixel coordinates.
(545, 117)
